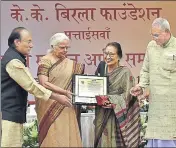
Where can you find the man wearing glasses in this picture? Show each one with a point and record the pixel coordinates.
(16, 82)
(159, 74)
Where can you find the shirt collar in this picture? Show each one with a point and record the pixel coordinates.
(23, 56)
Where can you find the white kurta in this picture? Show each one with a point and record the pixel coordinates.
(159, 73)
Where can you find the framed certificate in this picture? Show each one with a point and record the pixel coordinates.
(86, 87)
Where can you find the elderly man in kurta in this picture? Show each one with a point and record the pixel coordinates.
(159, 74)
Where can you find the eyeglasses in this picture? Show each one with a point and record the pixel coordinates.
(63, 47)
(155, 35)
(109, 53)
(27, 41)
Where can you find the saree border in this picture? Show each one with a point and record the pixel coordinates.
(56, 108)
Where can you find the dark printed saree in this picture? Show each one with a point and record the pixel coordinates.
(119, 126)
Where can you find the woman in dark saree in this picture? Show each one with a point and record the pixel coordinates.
(58, 125)
(117, 121)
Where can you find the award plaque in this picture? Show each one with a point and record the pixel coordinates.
(87, 87)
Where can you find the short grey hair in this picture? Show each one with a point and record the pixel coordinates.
(56, 39)
(161, 22)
